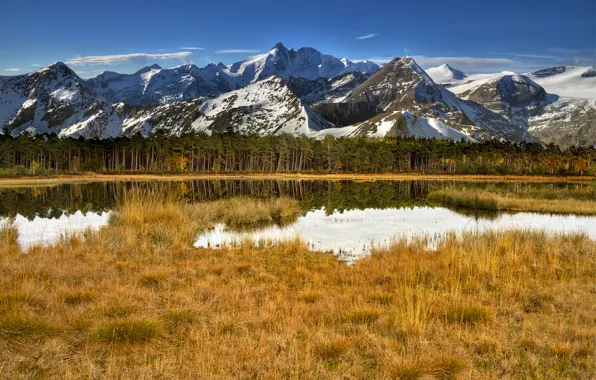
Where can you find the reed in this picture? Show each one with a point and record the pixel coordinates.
(541, 202)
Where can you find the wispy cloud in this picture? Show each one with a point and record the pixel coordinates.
(15, 70)
(233, 51)
(36, 65)
(372, 35)
(137, 58)
(191, 48)
(536, 56)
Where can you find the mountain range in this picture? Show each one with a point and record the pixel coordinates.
(305, 92)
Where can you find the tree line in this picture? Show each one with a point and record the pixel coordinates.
(230, 152)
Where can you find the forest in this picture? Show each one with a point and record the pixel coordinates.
(230, 152)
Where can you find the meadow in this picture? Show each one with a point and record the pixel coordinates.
(135, 299)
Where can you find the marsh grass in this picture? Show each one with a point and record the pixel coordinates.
(535, 201)
(132, 330)
(115, 304)
(9, 234)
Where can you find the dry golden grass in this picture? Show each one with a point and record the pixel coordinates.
(136, 300)
(486, 200)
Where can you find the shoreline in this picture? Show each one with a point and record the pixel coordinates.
(94, 177)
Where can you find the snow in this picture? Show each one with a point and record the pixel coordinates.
(445, 74)
(569, 83)
(265, 107)
(69, 95)
(475, 80)
(423, 127)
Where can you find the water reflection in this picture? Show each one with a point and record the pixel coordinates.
(353, 234)
(43, 230)
(345, 217)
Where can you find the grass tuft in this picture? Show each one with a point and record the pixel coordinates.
(132, 330)
(332, 350)
(152, 280)
(446, 368)
(21, 327)
(467, 315)
(363, 316)
(77, 298)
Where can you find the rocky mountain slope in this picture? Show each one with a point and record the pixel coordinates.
(326, 90)
(516, 97)
(154, 85)
(402, 88)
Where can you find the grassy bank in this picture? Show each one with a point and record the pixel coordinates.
(136, 300)
(581, 202)
(97, 177)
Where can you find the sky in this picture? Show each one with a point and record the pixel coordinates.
(125, 35)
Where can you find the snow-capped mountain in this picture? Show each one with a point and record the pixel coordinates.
(305, 62)
(400, 99)
(48, 101)
(55, 100)
(154, 85)
(558, 104)
(446, 74)
(403, 88)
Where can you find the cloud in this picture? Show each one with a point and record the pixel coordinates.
(137, 58)
(233, 51)
(36, 65)
(536, 56)
(16, 70)
(191, 48)
(367, 36)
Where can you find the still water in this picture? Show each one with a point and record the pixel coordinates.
(347, 218)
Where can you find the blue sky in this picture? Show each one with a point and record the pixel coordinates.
(125, 35)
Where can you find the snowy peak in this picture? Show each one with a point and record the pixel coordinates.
(445, 74)
(278, 46)
(305, 62)
(146, 69)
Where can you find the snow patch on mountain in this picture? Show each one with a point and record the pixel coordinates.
(568, 81)
(266, 107)
(446, 74)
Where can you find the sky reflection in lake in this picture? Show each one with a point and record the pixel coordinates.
(352, 234)
(48, 230)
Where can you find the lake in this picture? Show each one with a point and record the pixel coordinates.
(347, 218)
